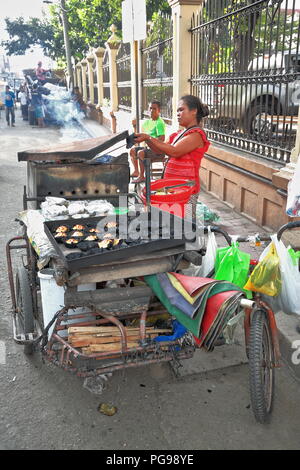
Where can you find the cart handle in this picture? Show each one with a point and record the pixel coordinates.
(288, 226)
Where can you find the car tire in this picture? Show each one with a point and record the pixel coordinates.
(255, 122)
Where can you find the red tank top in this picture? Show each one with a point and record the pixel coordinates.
(188, 165)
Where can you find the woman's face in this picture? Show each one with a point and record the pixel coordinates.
(185, 116)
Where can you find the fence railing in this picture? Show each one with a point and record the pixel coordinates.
(106, 77)
(124, 77)
(95, 81)
(157, 66)
(246, 67)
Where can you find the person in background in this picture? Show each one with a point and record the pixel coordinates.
(78, 100)
(186, 148)
(154, 127)
(37, 104)
(9, 106)
(41, 73)
(24, 103)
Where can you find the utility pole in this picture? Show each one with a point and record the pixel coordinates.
(67, 41)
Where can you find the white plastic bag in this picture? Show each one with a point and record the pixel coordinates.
(288, 300)
(208, 260)
(293, 197)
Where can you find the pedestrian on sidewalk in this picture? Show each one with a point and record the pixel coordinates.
(37, 104)
(24, 103)
(9, 106)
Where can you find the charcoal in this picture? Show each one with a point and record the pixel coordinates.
(71, 256)
(85, 246)
(94, 251)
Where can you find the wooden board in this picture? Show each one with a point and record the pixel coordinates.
(123, 271)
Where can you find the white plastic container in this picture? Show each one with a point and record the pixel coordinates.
(52, 296)
(53, 299)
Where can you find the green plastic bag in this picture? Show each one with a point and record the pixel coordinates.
(232, 265)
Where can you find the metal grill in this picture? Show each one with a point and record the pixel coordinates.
(246, 67)
(157, 66)
(124, 77)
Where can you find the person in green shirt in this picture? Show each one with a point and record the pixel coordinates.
(155, 127)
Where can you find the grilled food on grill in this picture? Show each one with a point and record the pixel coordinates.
(117, 242)
(71, 241)
(93, 230)
(77, 234)
(61, 235)
(91, 238)
(105, 244)
(62, 228)
(78, 227)
(111, 224)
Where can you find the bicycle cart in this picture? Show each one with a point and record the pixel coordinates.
(85, 301)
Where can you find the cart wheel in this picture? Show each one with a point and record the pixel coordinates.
(261, 360)
(24, 305)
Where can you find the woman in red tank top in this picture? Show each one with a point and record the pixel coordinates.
(185, 149)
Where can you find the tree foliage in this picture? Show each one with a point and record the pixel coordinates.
(89, 22)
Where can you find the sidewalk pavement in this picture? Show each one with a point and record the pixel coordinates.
(230, 355)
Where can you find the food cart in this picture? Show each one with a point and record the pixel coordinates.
(74, 296)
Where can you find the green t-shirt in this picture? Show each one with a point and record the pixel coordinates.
(154, 128)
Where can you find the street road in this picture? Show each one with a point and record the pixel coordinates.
(44, 407)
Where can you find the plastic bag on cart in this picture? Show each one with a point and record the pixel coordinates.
(289, 297)
(34, 222)
(208, 260)
(266, 276)
(232, 265)
(293, 196)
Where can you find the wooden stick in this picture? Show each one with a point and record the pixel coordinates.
(107, 347)
(102, 331)
(89, 341)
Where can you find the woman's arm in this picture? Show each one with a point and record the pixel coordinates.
(185, 145)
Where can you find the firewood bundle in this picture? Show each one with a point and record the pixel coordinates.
(93, 339)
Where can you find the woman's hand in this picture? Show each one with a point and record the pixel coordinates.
(138, 138)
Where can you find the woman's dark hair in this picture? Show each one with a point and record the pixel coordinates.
(193, 102)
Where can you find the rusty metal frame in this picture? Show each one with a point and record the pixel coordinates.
(60, 352)
(9, 248)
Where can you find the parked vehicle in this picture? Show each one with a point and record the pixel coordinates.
(262, 100)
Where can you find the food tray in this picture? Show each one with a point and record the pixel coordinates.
(111, 255)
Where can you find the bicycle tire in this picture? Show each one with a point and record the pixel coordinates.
(25, 304)
(261, 370)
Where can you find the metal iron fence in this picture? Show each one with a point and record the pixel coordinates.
(106, 77)
(87, 84)
(246, 67)
(124, 77)
(95, 81)
(157, 65)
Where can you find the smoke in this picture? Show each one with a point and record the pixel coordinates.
(62, 111)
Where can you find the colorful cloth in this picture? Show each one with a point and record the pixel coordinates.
(212, 309)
